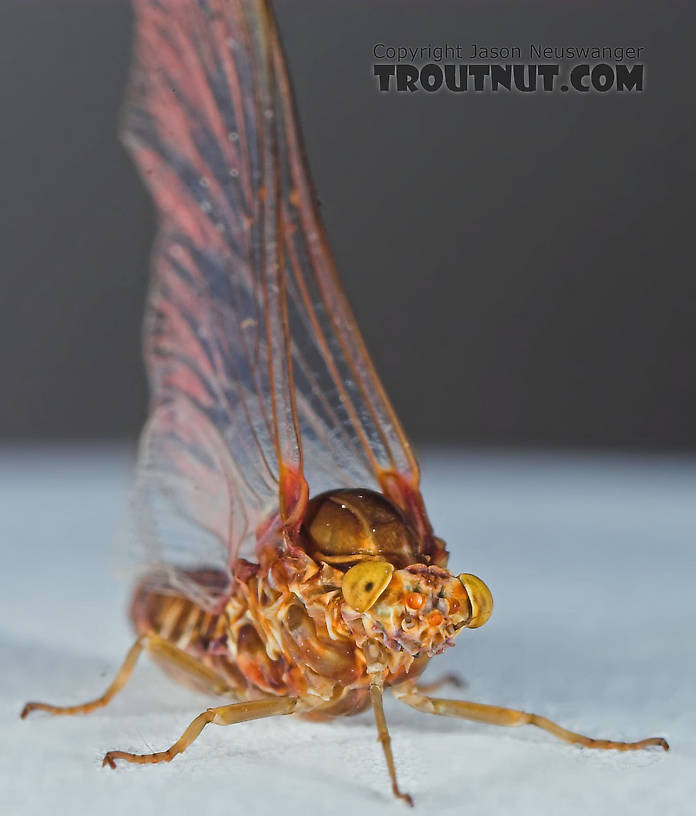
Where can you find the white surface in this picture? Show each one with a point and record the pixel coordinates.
(591, 564)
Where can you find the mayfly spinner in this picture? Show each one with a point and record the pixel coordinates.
(290, 562)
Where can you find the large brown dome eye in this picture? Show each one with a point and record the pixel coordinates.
(365, 582)
(346, 527)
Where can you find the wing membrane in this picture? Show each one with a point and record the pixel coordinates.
(261, 387)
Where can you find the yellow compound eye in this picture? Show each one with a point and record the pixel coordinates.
(365, 582)
(480, 599)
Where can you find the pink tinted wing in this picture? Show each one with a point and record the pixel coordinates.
(260, 382)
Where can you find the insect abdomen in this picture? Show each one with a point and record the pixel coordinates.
(184, 624)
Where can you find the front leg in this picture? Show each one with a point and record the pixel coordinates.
(221, 715)
(376, 689)
(494, 715)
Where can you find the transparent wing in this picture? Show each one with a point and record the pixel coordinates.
(261, 388)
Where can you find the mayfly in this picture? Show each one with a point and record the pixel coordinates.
(291, 565)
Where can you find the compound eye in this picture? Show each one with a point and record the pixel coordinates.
(365, 582)
(480, 599)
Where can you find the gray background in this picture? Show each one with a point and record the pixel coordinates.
(522, 266)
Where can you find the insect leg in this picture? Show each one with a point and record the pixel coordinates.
(157, 646)
(383, 735)
(511, 717)
(446, 680)
(221, 715)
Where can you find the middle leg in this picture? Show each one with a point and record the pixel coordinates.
(451, 679)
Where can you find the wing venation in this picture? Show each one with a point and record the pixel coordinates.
(261, 386)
